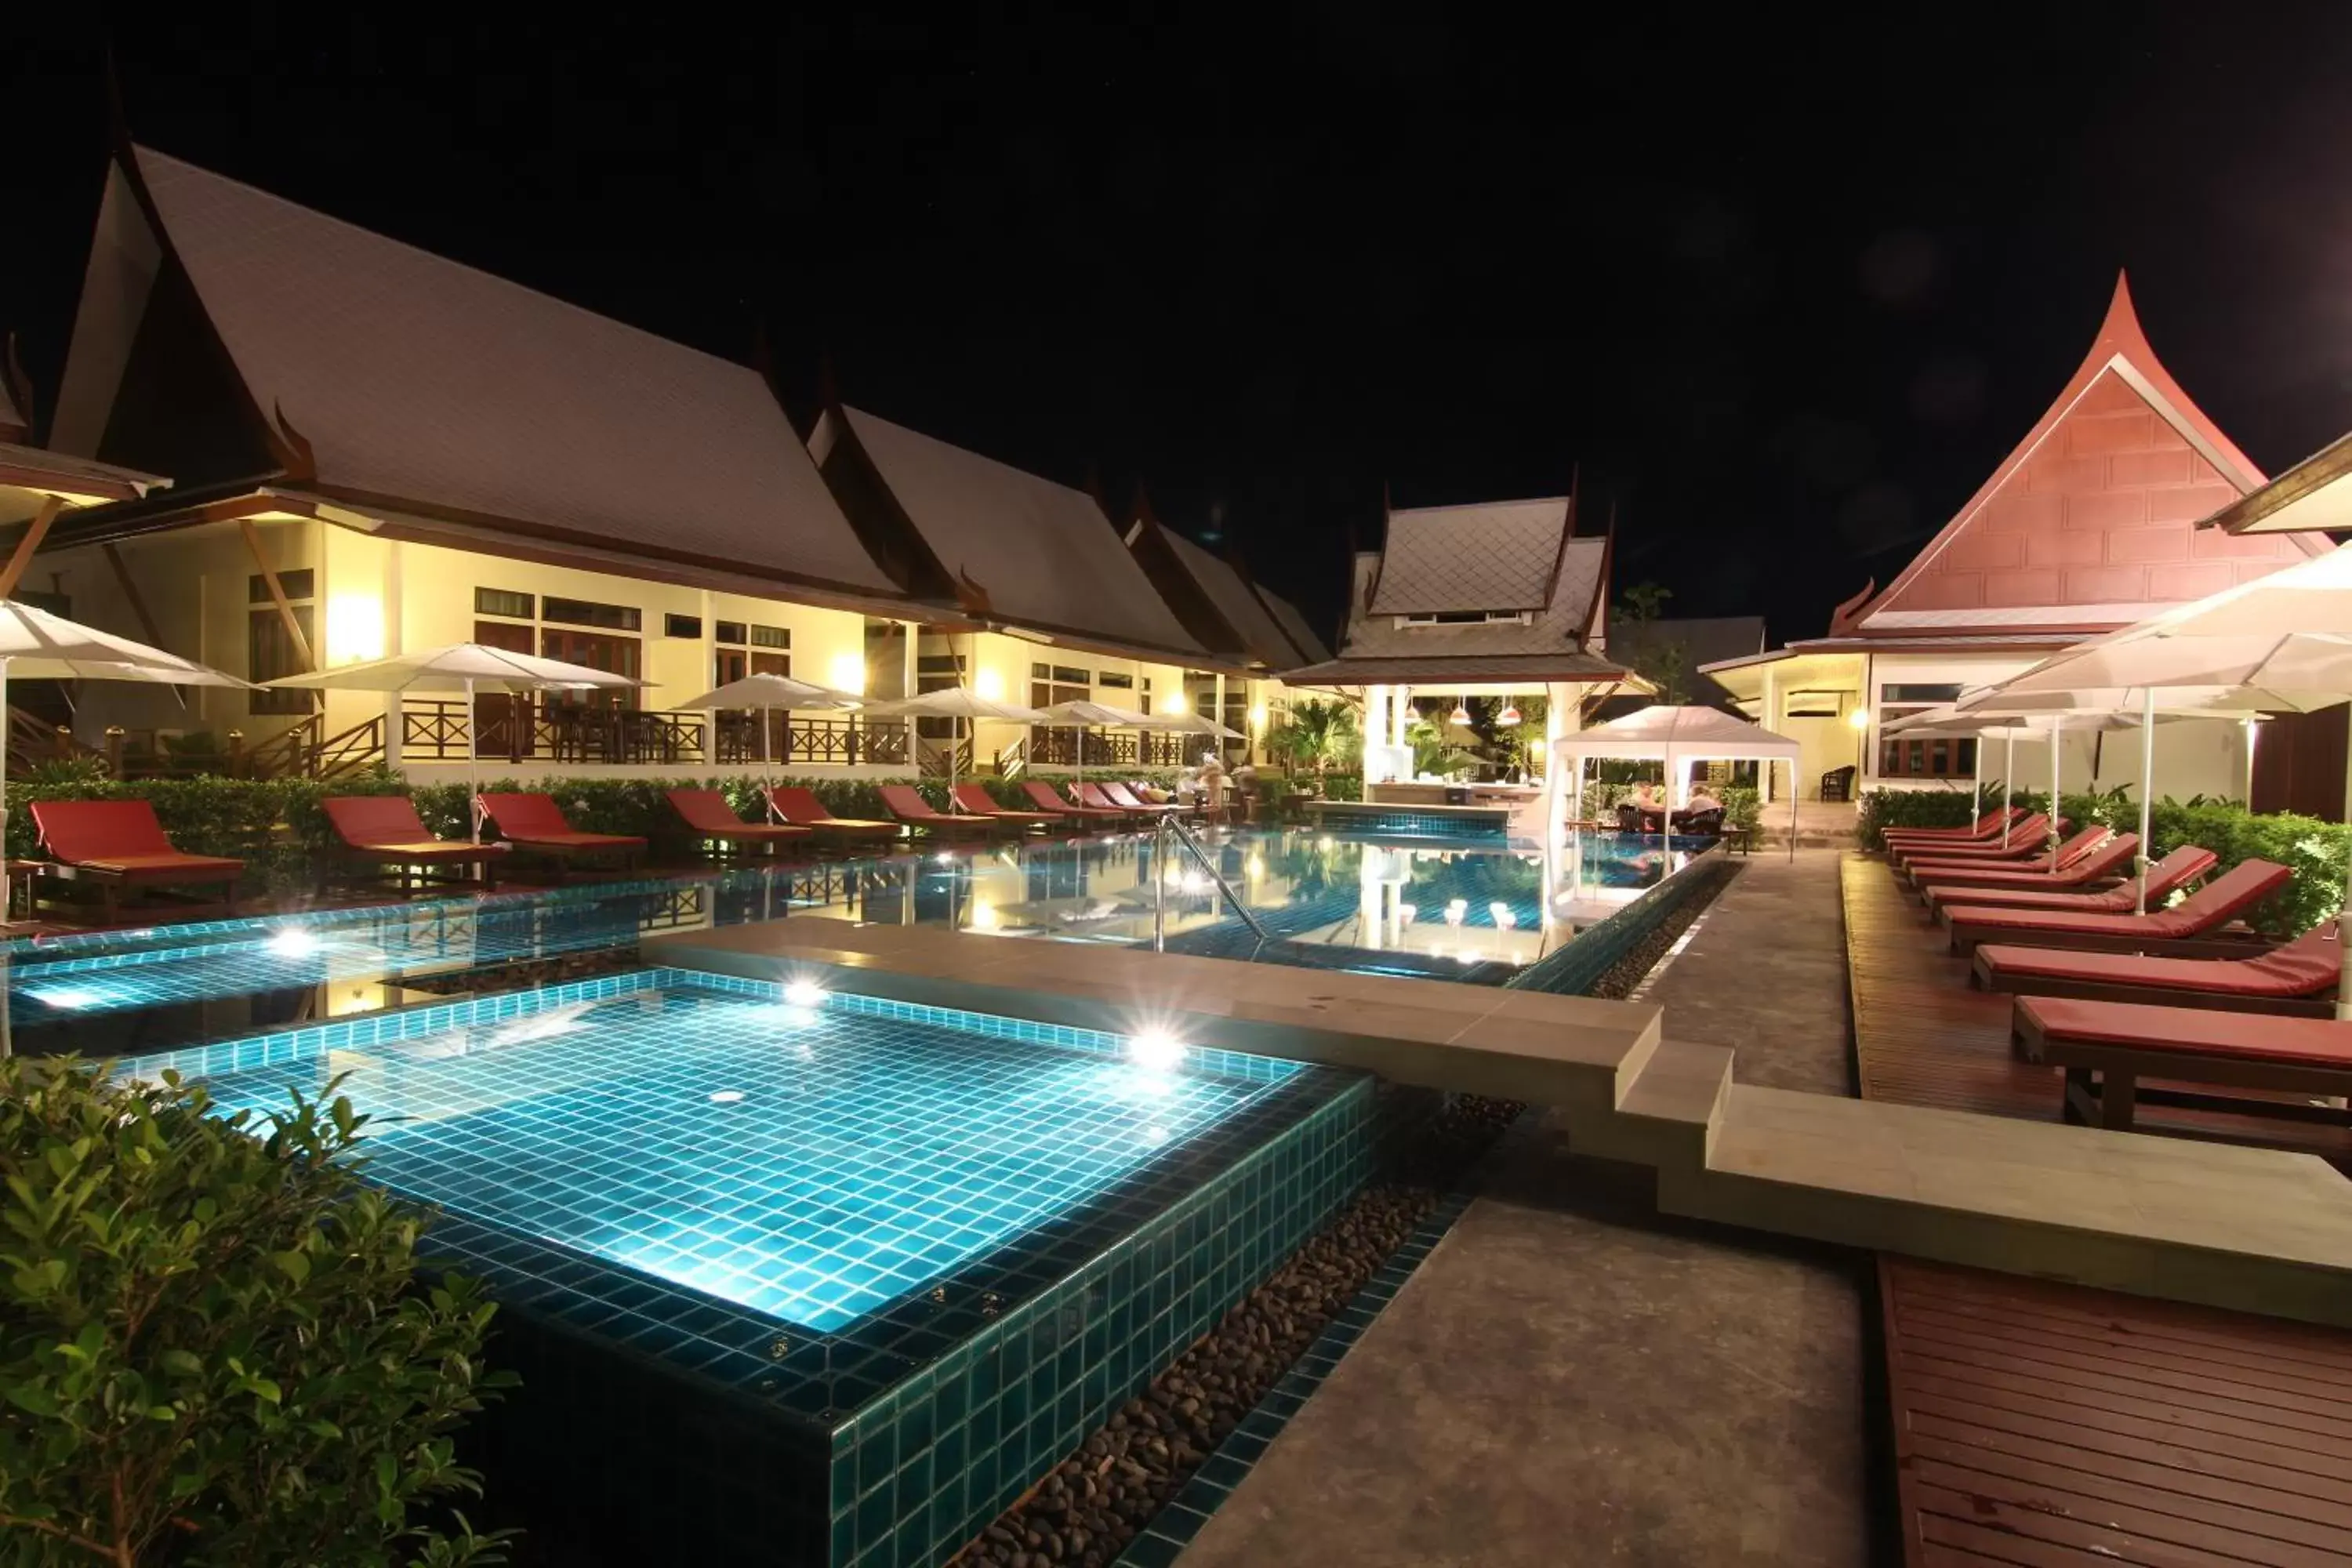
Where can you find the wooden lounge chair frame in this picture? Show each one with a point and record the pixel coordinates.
(930, 819)
(735, 838)
(133, 821)
(402, 850)
(2107, 1082)
(1985, 974)
(1002, 814)
(1040, 791)
(840, 832)
(571, 846)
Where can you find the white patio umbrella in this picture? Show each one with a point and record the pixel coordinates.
(1083, 716)
(461, 667)
(767, 693)
(38, 645)
(955, 702)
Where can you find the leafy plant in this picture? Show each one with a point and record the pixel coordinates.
(1316, 736)
(215, 1347)
(1663, 662)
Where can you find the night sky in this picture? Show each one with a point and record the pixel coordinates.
(1785, 289)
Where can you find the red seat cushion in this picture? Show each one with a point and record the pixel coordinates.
(2304, 967)
(86, 830)
(368, 819)
(2219, 901)
(525, 815)
(2193, 1031)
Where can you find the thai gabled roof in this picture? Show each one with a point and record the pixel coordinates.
(1262, 637)
(2090, 523)
(1022, 549)
(1492, 555)
(15, 423)
(2315, 495)
(392, 374)
(1294, 624)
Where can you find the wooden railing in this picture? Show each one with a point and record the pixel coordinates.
(33, 740)
(1117, 748)
(944, 758)
(518, 731)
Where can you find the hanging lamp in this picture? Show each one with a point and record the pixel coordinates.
(1460, 714)
(1509, 716)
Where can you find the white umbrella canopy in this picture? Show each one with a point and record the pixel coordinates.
(955, 702)
(1083, 716)
(463, 667)
(1191, 724)
(774, 692)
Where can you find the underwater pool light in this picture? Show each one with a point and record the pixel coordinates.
(805, 994)
(725, 1095)
(293, 941)
(1155, 1050)
(67, 996)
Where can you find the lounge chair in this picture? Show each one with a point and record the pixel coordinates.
(536, 825)
(974, 800)
(2108, 1047)
(1077, 812)
(1126, 799)
(2089, 857)
(2176, 870)
(1918, 869)
(1095, 795)
(2189, 929)
(904, 803)
(2026, 839)
(1984, 828)
(800, 806)
(2298, 979)
(118, 845)
(713, 821)
(385, 832)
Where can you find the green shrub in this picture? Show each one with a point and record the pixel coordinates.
(215, 1348)
(1743, 807)
(1885, 808)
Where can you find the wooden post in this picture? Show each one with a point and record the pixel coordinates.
(285, 610)
(236, 748)
(37, 530)
(114, 750)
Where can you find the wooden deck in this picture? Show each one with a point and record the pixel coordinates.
(2047, 1425)
(2043, 1424)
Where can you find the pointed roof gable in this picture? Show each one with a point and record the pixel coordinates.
(2090, 523)
(15, 423)
(395, 377)
(1038, 553)
(1310, 646)
(1493, 556)
(1262, 639)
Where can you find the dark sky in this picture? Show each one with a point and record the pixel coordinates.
(1786, 288)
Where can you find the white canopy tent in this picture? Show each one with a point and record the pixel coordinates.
(1677, 737)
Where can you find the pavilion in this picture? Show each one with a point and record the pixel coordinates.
(2088, 525)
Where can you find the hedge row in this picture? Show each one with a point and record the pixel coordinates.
(279, 829)
(2315, 850)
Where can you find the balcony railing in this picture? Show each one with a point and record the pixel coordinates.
(1130, 748)
(515, 730)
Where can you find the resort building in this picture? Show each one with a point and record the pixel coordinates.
(1494, 599)
(2089, 525)
(373, 450)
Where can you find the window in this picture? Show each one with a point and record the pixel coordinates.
(1925, 695)
(729, 632)
(948, 664)
(597, 651)
(587, 613)
(1816, 704)
(297, 583)
(502, 602)
(271, 651)
(772, 664)
(1462, 618)
(771, 637)
(1116, 683)
(682, 626)
(729, 664)
(1052, 684)
(1903, 758)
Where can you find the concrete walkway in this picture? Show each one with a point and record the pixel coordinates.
(1570, 1378)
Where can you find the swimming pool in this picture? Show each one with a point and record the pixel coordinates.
(904, 1257)
(1480, 914)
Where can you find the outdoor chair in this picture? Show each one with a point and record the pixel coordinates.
(2026, 839)
(2175, 871)
(2299, 978)
(712, 821)
(1095, 795)
(799, 805)
(904, 803)
(2091, 855)
(383, 833)
(118, 846)
(2107, 1049)
(1984, 828)
(1047, 801)
(535, 825)
(1126, 799)
(2193, 928)
(1838, 783)
(974, 800)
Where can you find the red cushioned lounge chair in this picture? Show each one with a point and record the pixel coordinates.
(714, 822)
(800, 807)
(1093, 795)
(2087, 860)
(1126, 799)
(904, 803)
(535, 824)
(1983, 827)
(1924, 871)
(383, 831)
(2189, 929)
(2028, 838)
(2298, 979)
(2109, 1049)
(2176, 870)
(1078, 811)
(118, 845)
(973, 800)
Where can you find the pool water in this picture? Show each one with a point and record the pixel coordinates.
(1478, 913)
(811, 1162)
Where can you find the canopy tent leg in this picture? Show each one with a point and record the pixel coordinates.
(2008, 781)
(2146, 790)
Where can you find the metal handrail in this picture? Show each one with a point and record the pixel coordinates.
(1171, 828)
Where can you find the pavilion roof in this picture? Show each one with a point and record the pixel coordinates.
(1294, 624)
(1022, 549)
(395, 377)
(15, 423)
(1262, 637)
(1489, 555)
(2090, 523)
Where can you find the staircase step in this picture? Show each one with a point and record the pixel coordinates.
(1668, 1114)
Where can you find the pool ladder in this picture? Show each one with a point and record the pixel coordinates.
(1170, 829)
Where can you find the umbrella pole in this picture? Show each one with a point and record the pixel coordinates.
(473, 764)
(1792, 809)
(2343, 912)
(2008, 781)
(2147, 790)
(2056, 734)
